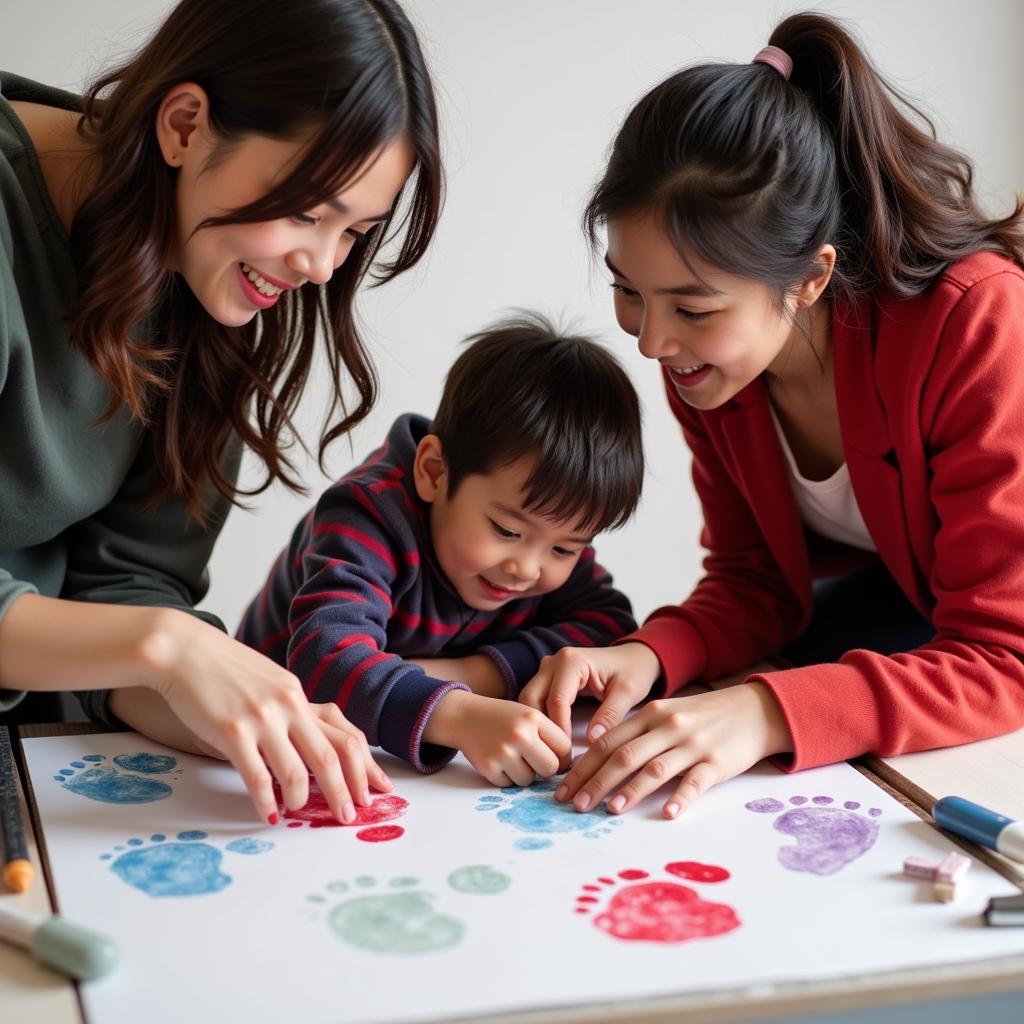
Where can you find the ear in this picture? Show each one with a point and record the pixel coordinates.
(810, 289)
(429, 471)
(182, 121)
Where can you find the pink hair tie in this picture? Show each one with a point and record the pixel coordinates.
(776, 58)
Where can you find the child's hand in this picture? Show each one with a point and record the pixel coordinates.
(504, 741)
(620, 677)
(706, 739)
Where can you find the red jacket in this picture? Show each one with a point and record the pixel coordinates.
(930, 392)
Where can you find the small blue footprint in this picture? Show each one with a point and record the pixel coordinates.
(186, 868)
(537, 812)
(114, 785)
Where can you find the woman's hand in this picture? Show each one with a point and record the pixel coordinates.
(705, 739)
(244, 707)
(620, 677)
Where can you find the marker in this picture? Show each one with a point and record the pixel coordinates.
(17, 870)
(981, 826)
(1005, 911)
(59, 944)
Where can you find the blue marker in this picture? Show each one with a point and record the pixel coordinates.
(981, 826)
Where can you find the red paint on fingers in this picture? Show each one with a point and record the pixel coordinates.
(318, 813)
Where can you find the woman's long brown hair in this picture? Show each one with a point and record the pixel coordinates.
(350, 70)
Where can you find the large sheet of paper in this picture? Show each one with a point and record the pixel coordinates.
(452, 898)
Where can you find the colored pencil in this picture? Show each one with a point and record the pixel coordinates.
(17, 872)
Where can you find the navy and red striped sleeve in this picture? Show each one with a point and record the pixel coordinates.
(338, 628)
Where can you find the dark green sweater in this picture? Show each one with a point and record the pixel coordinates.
(72, 523)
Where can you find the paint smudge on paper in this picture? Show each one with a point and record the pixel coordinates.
(693, 871)
(658, 911)
(317, 814)
(188, 867)
(533, 809)
(403, 922)
(827, 838)
(479, 879)
(127, 781)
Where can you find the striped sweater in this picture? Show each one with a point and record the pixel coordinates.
(358, 589)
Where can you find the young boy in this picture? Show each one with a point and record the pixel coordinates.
(422, 591)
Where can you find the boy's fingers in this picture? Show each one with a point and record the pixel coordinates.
(558, 708)
(534, 692)
(556, 738)
(520, 771)
(541, 759)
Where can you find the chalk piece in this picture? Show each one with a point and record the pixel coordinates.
(917, 867)
(953, 867)
(945, 892)
(1005, 911)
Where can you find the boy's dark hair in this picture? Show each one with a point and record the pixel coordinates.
(523, 389)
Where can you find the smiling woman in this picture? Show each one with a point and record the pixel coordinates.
(172, 243)
(837, 324)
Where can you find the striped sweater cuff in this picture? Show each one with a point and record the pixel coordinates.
(517, 662)
(511, 686)
(404, 718)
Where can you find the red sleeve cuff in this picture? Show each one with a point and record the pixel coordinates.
(831, 710)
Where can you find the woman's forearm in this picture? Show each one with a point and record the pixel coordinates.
(47, 643)
(148, 713)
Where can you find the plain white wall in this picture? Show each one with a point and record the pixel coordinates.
(532, 92)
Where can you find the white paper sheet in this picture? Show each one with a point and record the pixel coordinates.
(474, 900)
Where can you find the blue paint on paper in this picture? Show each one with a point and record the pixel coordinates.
(148, 764)
(110, 786)
(249, 846)
(188, 867)
(533, 844)
(113, 785)
(533, 809)
(542, 814)
(173, 869)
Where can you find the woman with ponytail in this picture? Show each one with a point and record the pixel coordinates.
(171, 245)
(840, 330)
